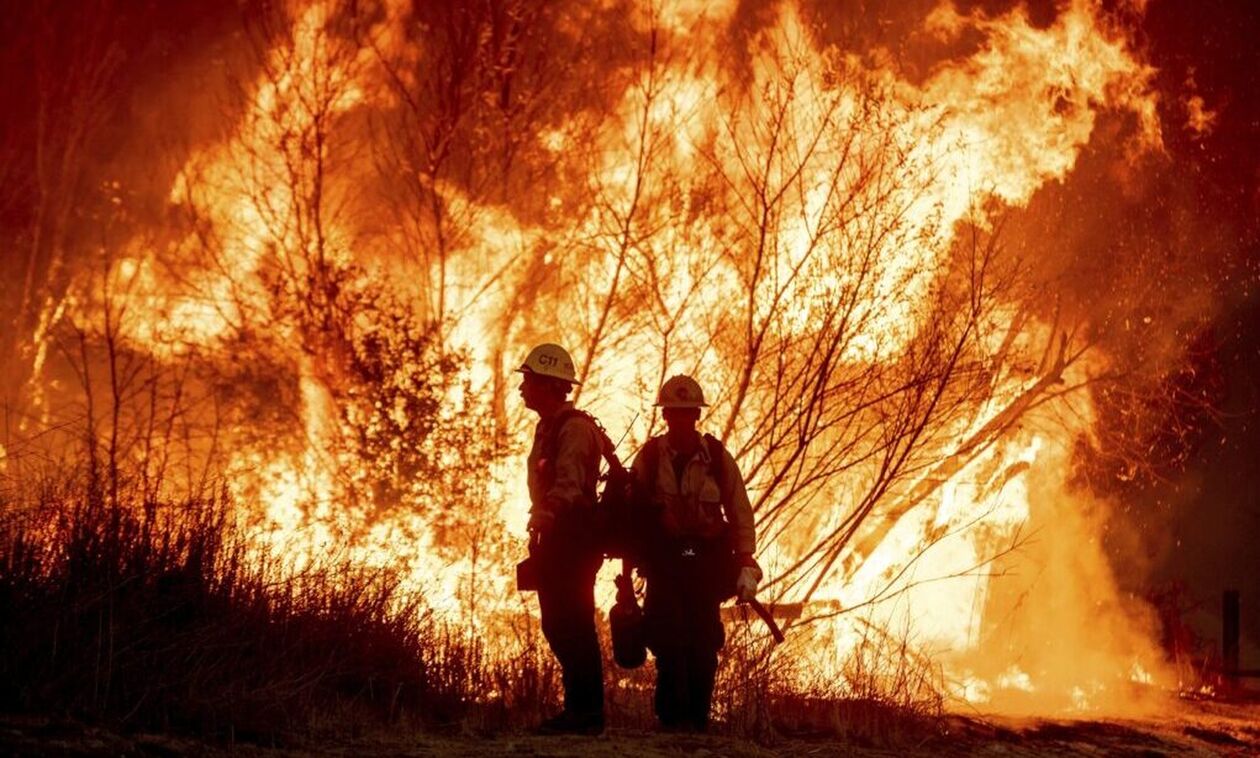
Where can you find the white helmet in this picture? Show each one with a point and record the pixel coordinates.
(549, 359)
(680, 391)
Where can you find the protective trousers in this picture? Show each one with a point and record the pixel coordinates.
(685, 587)
(566, 598)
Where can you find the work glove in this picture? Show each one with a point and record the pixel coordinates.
(746, 584)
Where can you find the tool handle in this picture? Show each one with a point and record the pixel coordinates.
(761, 611)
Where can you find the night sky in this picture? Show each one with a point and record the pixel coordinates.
(1202, 525)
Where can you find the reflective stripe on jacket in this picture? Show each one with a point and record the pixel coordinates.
(695, 507)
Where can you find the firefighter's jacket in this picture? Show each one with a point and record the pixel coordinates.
(694, 506)
(565, 476)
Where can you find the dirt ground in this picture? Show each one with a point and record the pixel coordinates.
(1188, 728)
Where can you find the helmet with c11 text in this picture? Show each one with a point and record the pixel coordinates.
(550, 360)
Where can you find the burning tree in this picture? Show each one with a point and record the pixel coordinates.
(402, 197)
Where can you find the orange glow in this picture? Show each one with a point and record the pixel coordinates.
(813, 189)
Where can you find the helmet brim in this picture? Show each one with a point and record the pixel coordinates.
(528, 370)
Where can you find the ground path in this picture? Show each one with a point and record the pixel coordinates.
(1192, 729)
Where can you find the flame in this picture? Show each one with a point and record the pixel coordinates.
(870, 166)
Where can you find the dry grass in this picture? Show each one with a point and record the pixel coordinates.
(885, 694)
(160, 617)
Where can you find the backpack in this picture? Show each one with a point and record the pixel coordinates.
(614, 518)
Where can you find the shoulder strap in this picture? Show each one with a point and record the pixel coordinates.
(651, 457)
(717, 463)
(551, 445)
(717, 454)
(606, 447)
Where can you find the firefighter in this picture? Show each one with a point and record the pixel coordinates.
(563, 468)
(701, 553)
